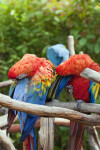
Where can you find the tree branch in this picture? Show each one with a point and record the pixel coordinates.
(57, 121)
(5, 142)
(46, 111)
(93, 138)
(4, 122)
(84, 107)
(91, 75)
(5, 83)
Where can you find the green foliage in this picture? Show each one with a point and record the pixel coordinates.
(28, 26)
(61, 138)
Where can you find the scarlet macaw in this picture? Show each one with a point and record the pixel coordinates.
(82, 90)
(36, 82)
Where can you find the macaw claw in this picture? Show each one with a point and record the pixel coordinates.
(78, 103)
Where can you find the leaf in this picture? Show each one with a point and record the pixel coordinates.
(97, 48)
(82, 42)
(56, 19)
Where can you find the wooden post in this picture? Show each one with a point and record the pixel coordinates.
(5, 141)
(93, 138)
(71, 45)
(46, 134)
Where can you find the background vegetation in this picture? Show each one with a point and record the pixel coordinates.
(28, 26)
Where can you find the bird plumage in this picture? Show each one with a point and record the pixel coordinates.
(36, 82)
(74, 65)
(57, 54)
(83, 89)
(32, 89)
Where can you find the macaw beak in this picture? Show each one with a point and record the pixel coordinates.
(91, 75)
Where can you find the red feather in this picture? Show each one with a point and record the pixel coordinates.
(26, 144)
(30, 64)
(74, 65)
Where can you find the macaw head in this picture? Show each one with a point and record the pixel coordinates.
(57, 54)
(27, 66)
(74, 65)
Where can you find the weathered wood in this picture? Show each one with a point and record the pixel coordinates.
(15, 128)
(43, 134)
(57, 121)
(4, 122)
(3, 110)
(46, 111)
(81, 52)
(71, 45)
(84, 107)
(61, 122)
(5, 83)
(46, 134)
(91, 75)
(5, 142)
(93, 138)
(51, 134)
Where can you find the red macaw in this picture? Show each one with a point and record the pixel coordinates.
(36, 82)
(82, 90)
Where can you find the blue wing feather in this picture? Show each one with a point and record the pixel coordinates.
(12, 87)
(25, 90)
(62, 85)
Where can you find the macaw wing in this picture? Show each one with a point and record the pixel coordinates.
(35, 93)
(11, 113)
(12, 87)
(62, 85)
(93, 90)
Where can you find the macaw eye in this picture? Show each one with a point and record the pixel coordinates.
(69, 89)
(22, 76)
(57, 56)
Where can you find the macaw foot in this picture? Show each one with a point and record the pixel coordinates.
(78, 103)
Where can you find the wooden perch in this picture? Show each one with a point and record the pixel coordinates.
(5, 83)
(3, 110)
(57, 121)
(46, 111)
(16, 127)
(84, 107)
(93, 138)
(5, 142)
(46, 134)
(4, 122)
(91, 75)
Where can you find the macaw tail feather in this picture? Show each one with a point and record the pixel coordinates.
(11, 117)
(76, 136)
(29, 143)
(29, 127)
(26, 144)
